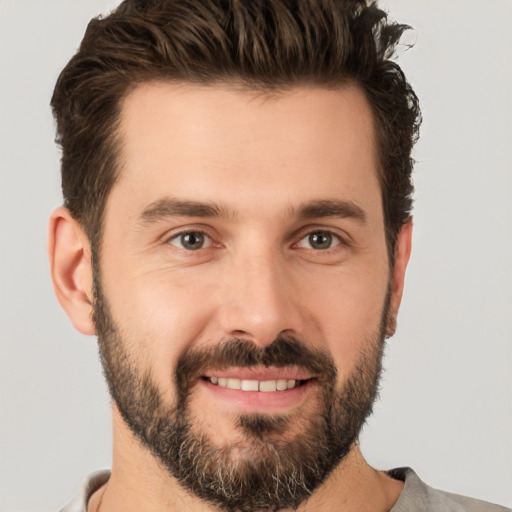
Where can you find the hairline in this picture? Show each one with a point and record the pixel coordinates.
(259, 89)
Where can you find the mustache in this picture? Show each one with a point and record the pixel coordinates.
(282, 352)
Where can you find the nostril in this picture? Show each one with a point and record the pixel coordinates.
(238, 333)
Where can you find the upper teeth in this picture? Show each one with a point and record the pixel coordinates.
(254, 385)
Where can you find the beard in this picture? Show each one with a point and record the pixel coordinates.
(273, 468)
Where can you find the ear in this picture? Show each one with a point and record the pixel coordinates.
(402, 254)
(70, 265)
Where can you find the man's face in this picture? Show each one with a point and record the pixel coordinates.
(243, 285)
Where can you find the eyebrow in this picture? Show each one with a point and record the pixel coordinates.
(172, 207)
(332, 208)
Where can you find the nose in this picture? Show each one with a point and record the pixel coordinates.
(259, 298)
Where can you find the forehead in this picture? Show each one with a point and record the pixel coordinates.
(218, 143)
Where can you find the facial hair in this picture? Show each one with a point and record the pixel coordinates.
(271, 470)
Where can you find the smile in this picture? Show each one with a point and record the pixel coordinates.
(259, 389)
(256, 385)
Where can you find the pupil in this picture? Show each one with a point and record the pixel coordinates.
(320, 240)
(192, 241)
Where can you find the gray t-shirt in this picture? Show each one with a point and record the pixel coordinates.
(419, 497)
(415, 497)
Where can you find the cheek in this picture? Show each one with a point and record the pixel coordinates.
(348, 313)
(160, 317)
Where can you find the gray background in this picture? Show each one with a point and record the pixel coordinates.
(446, 401)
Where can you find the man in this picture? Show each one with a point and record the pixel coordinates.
(242, 344)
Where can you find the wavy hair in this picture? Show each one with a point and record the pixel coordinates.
(265, 45)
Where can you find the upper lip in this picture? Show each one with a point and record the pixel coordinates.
(261, 373)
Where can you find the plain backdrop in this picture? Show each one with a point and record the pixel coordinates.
(446, 399)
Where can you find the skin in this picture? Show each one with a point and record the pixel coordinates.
(260, 158)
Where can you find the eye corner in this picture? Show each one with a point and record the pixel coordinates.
(190, 240)
(319, 240)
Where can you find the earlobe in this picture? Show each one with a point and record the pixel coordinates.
(402, 254)
(70, 265)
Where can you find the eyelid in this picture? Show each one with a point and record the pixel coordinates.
(342, 237)
(337, 240)
(207, 241)
(175, 234)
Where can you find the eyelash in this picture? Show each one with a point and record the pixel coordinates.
(341, 241)
(335, 239)
(190, 232)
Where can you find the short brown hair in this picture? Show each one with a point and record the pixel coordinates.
(260, 44)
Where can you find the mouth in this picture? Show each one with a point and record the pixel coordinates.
(265, 386)
(259, 389)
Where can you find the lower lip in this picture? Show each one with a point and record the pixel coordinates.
(260, 401)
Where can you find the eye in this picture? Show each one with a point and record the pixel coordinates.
(319, 241)
(191, 240)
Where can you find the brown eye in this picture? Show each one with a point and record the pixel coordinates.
(191, 241)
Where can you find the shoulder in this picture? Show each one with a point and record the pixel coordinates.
(91, 484)
(420, 497)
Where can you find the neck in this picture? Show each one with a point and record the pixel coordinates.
(139, 482)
